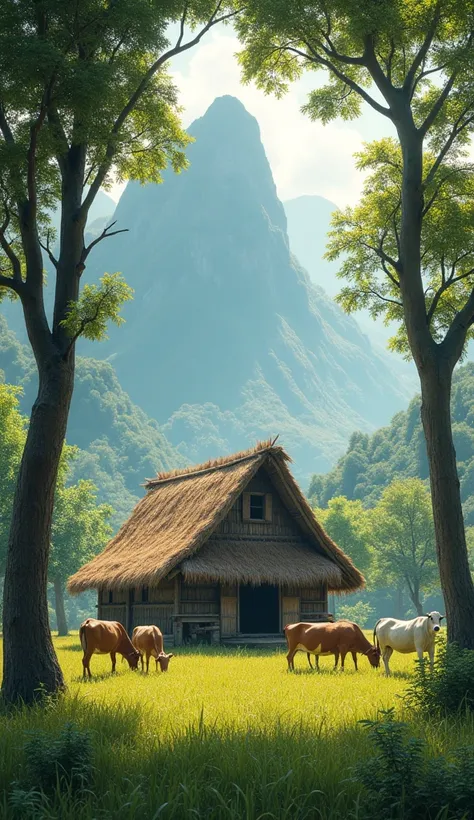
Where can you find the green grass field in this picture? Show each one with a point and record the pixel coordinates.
(223, 734)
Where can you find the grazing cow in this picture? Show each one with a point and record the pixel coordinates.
(106, 637)
(329, 639)
(148, 641)
(417, 635)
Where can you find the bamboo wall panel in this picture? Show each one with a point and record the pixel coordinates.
(159, 615)
(228, 616)
(199, 593)
(113, 612)
(163, 593)
(290, 611)
(199, 608)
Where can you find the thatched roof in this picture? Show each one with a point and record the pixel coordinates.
(254, 561)
(181, 510)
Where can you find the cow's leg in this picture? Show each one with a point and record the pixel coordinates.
(336, 658)
(387, 654)
(354, 658)
(343, 657)
(290, 658)
(142, 661)
(308, 655)
(85, 665)
(113, 658)
(147, 661)
(316, 658)
(431, 653)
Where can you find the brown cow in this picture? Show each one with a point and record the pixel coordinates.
(329, 639)
(148, 640)
(102, 638)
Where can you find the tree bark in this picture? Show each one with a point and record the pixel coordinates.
(30, 666)
(61, 620)
(456, 581)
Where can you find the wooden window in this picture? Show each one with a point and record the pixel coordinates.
(257, 507)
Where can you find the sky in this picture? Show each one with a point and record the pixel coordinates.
(306, 157)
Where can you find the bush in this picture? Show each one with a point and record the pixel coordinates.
(360, 613)
(402, 782)
(64, 762)
(449, 688)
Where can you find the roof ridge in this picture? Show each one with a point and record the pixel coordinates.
(216, 464)
(153, 482)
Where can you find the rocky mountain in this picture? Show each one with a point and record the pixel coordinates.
(227, 340)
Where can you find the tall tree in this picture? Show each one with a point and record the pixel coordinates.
(80, 530)
(84, 92)
(404, 546)
(412, 62)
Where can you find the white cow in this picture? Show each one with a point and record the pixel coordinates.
(417, 636)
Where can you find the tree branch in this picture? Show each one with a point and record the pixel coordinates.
(47, 248)
(106, 233)
(437, 106)
(458, 127)
(13, 284)
(423, 51)
(314, 57)
(456, 336)
(7, 249)
(4, 126)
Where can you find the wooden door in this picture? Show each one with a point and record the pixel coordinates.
(229, 615)
(290, 610)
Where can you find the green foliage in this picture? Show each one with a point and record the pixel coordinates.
(12, 440)
(361, 613)
(404, 539)
(400, 782)
(349, 525)
(61, 763)
(449, 689)
(97, 305)
(398, 451)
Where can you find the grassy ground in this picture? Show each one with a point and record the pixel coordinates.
(224, 734)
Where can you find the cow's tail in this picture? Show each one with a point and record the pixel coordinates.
(375, 639)
(82, 637)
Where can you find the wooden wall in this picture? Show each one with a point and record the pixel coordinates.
(282, 523)
(175, 597)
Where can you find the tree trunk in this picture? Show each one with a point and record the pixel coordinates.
(59, 608)
(30, 666)
(456, 581)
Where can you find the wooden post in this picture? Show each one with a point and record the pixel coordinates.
(177, 627)
(129, 612)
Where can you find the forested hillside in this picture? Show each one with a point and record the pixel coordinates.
(398, 451)
(120, 445)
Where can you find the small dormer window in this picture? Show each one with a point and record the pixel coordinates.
(257, 507)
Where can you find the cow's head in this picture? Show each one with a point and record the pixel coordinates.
(133, 659)
(374, 655)
(434, 621)
(163, 659)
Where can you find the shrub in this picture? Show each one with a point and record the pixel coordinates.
(64, 762)
(449, 688)
(360, 613)
(402, 782)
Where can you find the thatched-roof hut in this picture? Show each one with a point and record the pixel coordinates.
(230, 548)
